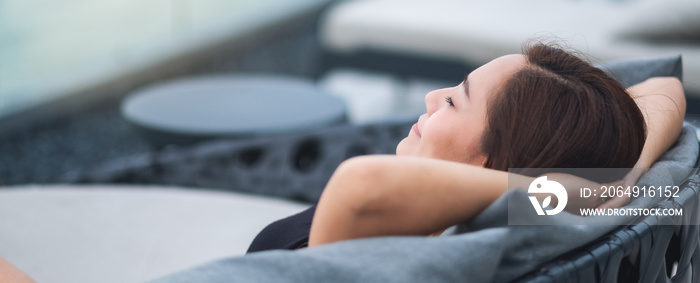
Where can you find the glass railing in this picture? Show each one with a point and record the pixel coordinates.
(54, 48)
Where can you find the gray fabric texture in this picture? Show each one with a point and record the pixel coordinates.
(633, 71)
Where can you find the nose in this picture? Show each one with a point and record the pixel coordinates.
(432, 101)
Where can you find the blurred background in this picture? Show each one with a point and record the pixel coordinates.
(356, 70)
(65, 66)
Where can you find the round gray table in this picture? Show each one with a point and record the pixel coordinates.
(237, 106)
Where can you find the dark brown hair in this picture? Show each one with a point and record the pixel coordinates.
(562, 112)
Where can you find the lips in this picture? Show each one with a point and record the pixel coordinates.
(415, 129)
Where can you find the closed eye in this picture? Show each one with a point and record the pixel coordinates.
(449, 100)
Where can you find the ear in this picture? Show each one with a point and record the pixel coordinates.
(479, 160)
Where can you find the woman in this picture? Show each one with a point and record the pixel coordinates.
(543, 109)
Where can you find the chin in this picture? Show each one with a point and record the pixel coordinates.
(402, 149)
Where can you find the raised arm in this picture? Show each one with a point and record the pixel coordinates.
(662, 102)
(389, 195)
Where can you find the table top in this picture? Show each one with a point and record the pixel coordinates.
(233, 106)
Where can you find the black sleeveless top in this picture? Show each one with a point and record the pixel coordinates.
(289, 233)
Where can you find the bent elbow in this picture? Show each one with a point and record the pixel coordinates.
(679, 97)
(360, 183)
(672, 88)
(353, 195)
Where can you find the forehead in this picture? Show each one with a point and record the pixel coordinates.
(492, 74)
(500, 68)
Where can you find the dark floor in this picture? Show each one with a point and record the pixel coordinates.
(41, 151)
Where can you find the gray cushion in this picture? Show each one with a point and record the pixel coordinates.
(633, 71)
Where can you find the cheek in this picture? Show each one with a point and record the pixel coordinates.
(442, 141)
(456, 142)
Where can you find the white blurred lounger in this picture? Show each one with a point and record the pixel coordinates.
(476, 32)
(126, 233)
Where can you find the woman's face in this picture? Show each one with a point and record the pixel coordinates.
(456, 117)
